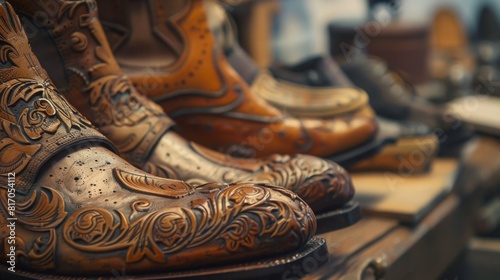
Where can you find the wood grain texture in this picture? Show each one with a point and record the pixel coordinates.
(402, 196)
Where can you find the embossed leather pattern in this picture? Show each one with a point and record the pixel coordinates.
(96, 85)
(323, 184)
(302, 174)
(36, 122)
(88, 212)
(135, 124)
(197, 87)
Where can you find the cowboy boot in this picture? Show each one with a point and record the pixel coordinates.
(74, 208)
(170, 53)
(93, 82)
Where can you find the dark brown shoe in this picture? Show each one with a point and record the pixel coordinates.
(73, 208)
(393, 97)
(171, 56)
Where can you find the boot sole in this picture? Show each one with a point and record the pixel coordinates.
(296, 265)
(343, 217)
(369, 149)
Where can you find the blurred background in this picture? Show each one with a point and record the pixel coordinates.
(444, 53)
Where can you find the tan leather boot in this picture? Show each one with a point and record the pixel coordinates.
(70, 207)
(74, 49)
(169, 52)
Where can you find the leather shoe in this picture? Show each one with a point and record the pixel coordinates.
(391, 96)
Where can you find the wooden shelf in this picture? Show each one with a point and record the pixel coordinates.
(381, 246)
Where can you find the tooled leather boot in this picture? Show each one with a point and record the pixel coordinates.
(169, 52)
(74, 49)
(71, 207)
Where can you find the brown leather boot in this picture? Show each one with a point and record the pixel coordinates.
(73, 47)
(70, 207)
(169, 52)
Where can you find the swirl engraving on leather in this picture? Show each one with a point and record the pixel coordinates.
(227, 219)
(79, 42)
(330, 182)
(322, 183)
(79, 217)
(31, 111)
(42, 213)
(141, 205)
(158, 234)
(313, 179)
(35, 121)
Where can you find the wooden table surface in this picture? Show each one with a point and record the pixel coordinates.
(384, 248)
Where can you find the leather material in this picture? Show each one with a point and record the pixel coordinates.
(412, 138)
(36, 122)
(319, 71)
(307, 101)
(208, 100)
(392, 97)
(137, 126)
(89, 212)
(404, 47)
(372, 75)
(323, 184)
(96, 86)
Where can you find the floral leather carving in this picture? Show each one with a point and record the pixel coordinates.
(36, 122)
(88, 212)
(324, 185)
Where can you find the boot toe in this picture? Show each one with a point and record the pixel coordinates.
(322, 184)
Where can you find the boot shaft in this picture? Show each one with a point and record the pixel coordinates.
(153, 33)
(71, 43)
(135, 22)
(35, 121)
(16, 59)
(69, 40)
